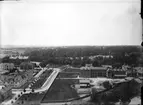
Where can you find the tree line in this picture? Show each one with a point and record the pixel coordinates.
(80, 55)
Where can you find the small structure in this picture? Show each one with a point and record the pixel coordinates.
(132, 73)
(116, 73)
(84, 83)
(68, 75)
(93, 72)
(89, 71)
(98, 72)
(19, 57)
(119, 73)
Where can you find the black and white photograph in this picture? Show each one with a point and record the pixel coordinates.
(71, 52)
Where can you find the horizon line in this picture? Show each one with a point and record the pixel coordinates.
(22, 46)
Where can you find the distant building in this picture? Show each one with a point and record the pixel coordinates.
(118, 73)
(68, 75)
(36, 63)
(84, 83)
(92, 72)
(6, 66)
(98, 72)
(88, 71)
(72, 69)
(22, 79)
(85, 73)
(19, 57)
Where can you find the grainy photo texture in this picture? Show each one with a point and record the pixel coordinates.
(70, 52)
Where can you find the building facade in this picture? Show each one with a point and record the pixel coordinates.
(89, 72)
(98, 72)
(85, 73)
(117, 73)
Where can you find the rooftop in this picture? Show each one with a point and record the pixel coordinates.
(94, 68)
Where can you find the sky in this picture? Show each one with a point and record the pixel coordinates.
(59, 23)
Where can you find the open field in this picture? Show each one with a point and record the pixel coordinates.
(60, 90)
(30, 99)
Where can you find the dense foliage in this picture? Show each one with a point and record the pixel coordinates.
(80, 55)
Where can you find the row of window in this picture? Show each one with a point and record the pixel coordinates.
(98, 74)
(94, 74)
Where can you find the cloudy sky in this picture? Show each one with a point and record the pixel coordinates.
(106, 22)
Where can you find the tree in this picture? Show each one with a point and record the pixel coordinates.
(5, 59)
(24, 90)
(18, 95)
(33, 90)
(95, 63)
(22, 102)
(26, 66)
(1, 97)
(116, 65)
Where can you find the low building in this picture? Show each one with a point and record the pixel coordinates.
(119, 73)
(98, 72)
(73, 69)
(84, 83)
(93, 72)
(36, 63)
(19, 57)
(89, 72)
(68, 75)
(6, 66)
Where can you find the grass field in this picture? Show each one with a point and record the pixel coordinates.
(30, 99)
(60, 90)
